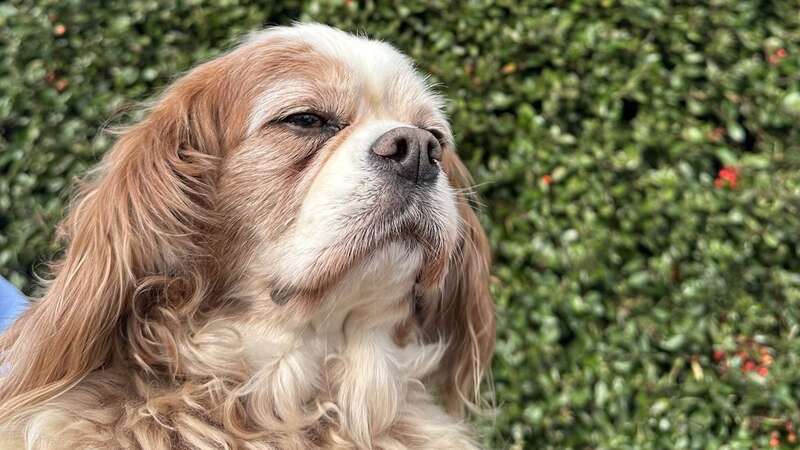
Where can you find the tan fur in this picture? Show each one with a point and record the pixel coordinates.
(157, 330)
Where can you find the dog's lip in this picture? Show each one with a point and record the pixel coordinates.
(400, 202)
(401, 229)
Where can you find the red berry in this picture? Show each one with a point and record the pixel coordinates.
(718, 355)
(547, 179)
(749, 366)
(727, 174)
(763, 371)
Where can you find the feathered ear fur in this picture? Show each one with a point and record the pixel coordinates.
(465, 314)
(133, 236)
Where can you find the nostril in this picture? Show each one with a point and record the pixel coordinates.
(434, 152)
(401, 149)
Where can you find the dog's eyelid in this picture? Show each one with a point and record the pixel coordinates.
(306, 120)
(329, 120)
(283, 115)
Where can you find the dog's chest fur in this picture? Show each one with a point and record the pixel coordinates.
(340, 380)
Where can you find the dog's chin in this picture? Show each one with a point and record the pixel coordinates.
(391, 264)
(401, 258)
(410, 241)
(382, 235)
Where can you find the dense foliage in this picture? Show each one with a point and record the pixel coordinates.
(638, 162)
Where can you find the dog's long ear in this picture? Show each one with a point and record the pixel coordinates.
(465, 314)
(131, 229)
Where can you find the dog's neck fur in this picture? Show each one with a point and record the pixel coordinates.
(347, 356)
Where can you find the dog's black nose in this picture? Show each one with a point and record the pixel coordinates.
(412, 152)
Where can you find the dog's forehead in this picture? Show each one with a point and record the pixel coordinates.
(382, 73)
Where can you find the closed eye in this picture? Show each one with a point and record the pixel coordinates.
(311, 122)
(305, 120)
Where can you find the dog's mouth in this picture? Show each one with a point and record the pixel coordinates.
(410, 217)
(413, 224)
(416, 223)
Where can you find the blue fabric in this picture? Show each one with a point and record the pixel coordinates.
(12, 303)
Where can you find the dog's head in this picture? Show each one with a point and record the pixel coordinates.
(299, 158)
(344, 151)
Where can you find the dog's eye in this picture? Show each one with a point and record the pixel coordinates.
(306, 120)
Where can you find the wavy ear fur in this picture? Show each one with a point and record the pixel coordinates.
(465, 314)
(128, 235)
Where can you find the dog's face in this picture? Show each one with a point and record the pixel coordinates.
(300, 161)
(342, 157)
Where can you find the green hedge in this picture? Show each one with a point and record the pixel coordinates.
(639, 162)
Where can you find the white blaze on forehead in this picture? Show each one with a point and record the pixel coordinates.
(364, 55)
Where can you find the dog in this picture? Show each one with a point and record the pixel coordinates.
(281, 254)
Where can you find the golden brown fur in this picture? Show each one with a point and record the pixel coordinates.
(157, 330)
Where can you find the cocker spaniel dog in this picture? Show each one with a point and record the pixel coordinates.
(279, 255)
